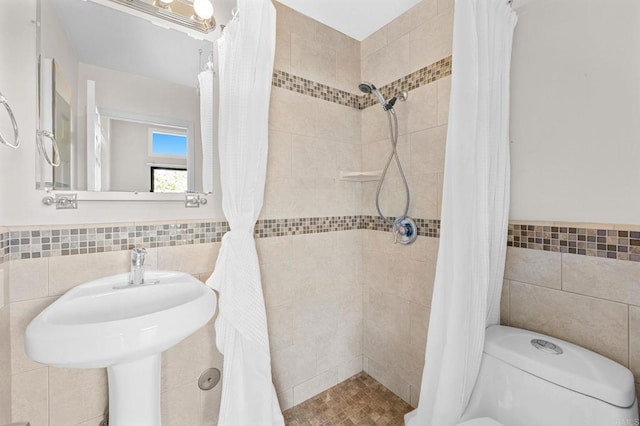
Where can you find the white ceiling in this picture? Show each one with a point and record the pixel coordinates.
(356, 18)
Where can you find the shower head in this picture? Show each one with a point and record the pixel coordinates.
(367, 87)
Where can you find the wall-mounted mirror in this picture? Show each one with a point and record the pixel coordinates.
(119, 94)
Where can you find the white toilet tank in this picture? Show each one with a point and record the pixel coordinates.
(529, 379)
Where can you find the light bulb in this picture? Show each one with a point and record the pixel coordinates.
(166, 2)
(203, 8)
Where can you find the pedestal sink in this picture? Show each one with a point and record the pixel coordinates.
(107, 323)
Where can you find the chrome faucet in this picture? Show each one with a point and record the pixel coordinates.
(137, 266)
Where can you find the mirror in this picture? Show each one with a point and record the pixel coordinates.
(119, 94)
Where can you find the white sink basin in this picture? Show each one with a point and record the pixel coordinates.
(105, 323)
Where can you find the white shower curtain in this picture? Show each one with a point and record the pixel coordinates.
(475, 211)
(246, 52)
(205, 81)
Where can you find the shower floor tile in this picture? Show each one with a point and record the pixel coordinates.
(359, 400)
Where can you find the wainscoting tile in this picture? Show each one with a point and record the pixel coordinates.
(596, 324)
(611, 279)
(541, 268)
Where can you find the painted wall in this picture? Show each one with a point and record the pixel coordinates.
(575, 103)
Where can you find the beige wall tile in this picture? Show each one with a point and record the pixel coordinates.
(428, 149)
(312, 158)
(282, 58)
(314, 386)
(30, 279)
(537, 267)
(411, 19)
(281, 330)
(275, 249)
(445, 5)
(610, 279)
(76, 395)
(192, 258)
(425, 195)
(21, 315)
(349, 368)
(313, 60)
(292, 112)
(391, 381)
(210, 405)
(293, 365)
(421, 108)
(374, 42)
(183, 363)
(444, 93)
(181, 405)
(348, 66)
(596, 324)
(5, 367)
(285, 398)
(288, 20)
(337, 122)
(30, 397)
(388, 63)
(505, 304)
(278, 284)
(4, 283)
(634, 341)
(279, 160)
(92, 422)
(337, 348)
(415, 395)
(432, 40)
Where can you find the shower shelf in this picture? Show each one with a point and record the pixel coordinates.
(361, 176)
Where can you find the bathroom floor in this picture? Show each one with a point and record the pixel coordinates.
(360, 400)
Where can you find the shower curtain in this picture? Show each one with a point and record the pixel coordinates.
(475, 211)
(205, 81)
(246, 52)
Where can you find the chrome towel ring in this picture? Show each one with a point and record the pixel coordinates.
(16, 137)
(54, 160)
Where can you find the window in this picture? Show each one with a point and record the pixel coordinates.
(166, 179)
(165, 144)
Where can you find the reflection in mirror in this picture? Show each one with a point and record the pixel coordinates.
(114, 81)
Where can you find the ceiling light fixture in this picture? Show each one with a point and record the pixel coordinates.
(194, 14)
(203, 9)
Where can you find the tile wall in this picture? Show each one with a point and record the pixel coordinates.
(5, 348)
(398, 280)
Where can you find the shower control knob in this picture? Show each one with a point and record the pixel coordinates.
(404, 231)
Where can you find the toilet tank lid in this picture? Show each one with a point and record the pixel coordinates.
(576, 368)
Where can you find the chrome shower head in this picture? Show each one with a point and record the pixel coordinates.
(367, 87)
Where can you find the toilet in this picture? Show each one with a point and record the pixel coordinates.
(529, 379)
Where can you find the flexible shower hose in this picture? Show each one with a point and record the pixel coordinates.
(393, 131)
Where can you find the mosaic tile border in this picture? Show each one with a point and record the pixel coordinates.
(416, 79)
(598, 242)
(64, 241)
(307, 87)
(423, 76)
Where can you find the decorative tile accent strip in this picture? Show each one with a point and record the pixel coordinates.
(423, 76)
(301, 85)
(33, 244)
(607, 243)
(426, 75)
(426, 227)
